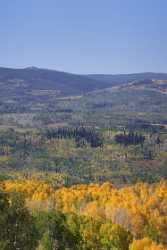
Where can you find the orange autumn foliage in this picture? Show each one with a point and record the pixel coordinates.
(32, 189)
(146, 244)
(138, 208)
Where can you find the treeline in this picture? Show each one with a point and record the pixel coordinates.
(82, 135)
(130, 139)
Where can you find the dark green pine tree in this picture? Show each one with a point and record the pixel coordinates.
(17, 226)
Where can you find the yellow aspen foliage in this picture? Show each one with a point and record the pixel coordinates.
(146, 244)
(35, 190)
(140, 208)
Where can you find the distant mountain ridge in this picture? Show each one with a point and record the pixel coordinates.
(36, 78)
(34, 89)
(33, 78)
(126, 78)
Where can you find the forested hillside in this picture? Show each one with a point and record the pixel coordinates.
(33, 78)
(126, 78)
(84, 216)
(82, 161)
(37, 98)
(83, 188)
(87, 154)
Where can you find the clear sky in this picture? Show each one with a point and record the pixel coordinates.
(84, 36)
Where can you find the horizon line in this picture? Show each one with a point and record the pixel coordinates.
(86, 74)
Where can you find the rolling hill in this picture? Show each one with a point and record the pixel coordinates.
(72, 98)
(137, 96)
(32, 78)
(126, 78)
(26, 80)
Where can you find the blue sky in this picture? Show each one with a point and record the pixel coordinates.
(84, 36)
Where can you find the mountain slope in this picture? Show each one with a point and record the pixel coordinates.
(33, 78)
(33, 89)
(137, 96)
(126, 78)
(26, 80)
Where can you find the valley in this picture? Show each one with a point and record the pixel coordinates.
(83, 159)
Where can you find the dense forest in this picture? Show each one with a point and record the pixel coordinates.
(83, 188)
(95, 216)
